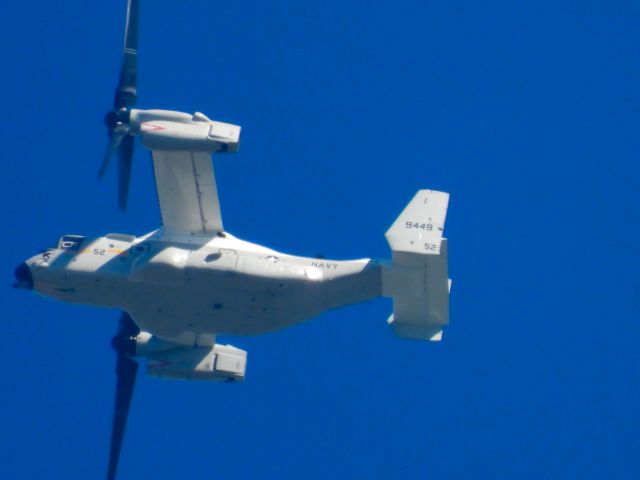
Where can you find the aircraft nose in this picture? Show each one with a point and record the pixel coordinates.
(23, 277)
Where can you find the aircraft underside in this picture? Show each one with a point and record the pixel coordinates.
(179, 294)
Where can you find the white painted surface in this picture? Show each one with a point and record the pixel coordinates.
(419, 227)
(187, 192)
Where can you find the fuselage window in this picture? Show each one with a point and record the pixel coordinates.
(140, 249)
(70, 242)
(212, 257)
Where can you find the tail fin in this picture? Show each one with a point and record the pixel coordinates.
(417, 278)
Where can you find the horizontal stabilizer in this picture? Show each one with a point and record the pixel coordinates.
(419, 332)
(419, 227)
(419, 285)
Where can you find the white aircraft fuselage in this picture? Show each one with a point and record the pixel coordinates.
(185, 288)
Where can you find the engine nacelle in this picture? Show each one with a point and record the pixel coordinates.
(170, 360)
(168, 130)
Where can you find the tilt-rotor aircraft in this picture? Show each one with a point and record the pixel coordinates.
(181, 286)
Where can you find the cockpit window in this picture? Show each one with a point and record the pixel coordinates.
(71, 242)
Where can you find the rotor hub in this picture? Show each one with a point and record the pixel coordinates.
(114, 118)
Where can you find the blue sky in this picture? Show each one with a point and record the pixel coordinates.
(526, 112)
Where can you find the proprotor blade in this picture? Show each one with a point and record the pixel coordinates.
(127, 327)
(126, 370)
(126, 91)
(125, 158)
(115, 139)
(117, 120)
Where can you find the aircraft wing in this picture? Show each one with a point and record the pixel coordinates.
(187, 192)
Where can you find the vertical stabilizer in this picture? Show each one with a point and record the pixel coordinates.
(417, 278)
(419, 227)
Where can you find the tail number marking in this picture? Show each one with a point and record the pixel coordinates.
(420, 226)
